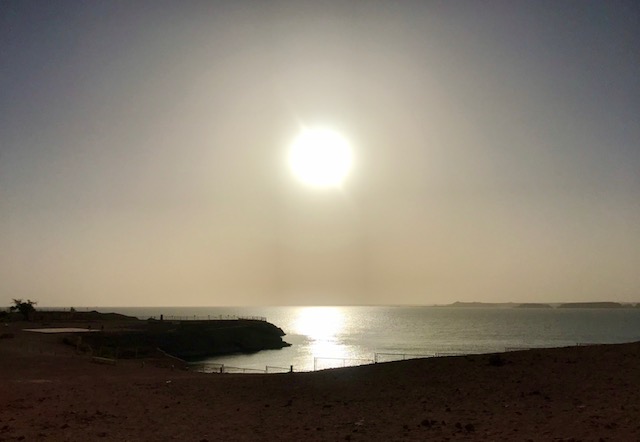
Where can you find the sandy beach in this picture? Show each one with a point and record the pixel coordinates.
(576, 393)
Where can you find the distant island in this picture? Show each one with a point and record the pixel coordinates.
(566, 305)
(480, 304)
(594, 305)
(534, 305)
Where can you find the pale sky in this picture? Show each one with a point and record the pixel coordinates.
(143, 149)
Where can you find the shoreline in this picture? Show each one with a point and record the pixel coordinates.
(582, 392)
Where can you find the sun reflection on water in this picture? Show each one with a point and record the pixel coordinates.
(322, 326)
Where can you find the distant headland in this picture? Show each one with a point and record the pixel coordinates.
(565, 305)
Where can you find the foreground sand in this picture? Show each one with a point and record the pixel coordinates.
(578, 393)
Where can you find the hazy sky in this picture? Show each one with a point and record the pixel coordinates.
(143, 152)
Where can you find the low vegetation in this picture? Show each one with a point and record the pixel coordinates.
(25, 308)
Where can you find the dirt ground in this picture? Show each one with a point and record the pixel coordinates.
(47, 392)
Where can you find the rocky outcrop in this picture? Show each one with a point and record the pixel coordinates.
(190, 340)
(76, 316)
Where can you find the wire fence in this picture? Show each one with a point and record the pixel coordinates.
(442, 354)
(156, 317)
(272, 369)
(507, 349)
(208, 318)
(324, 363)
(223, 368)
(389, 357)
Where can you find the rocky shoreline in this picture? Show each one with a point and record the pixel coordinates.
(189, 340)
(125, 337)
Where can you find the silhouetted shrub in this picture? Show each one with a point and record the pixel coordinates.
(26, 308)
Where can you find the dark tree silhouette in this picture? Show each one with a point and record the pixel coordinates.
(25, 308)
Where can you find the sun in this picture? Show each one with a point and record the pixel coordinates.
(320, 157)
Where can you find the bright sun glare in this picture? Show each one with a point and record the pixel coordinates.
(320, 157)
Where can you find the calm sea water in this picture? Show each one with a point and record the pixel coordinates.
(324, 337)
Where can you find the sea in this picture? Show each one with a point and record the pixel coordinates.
(329, 337)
